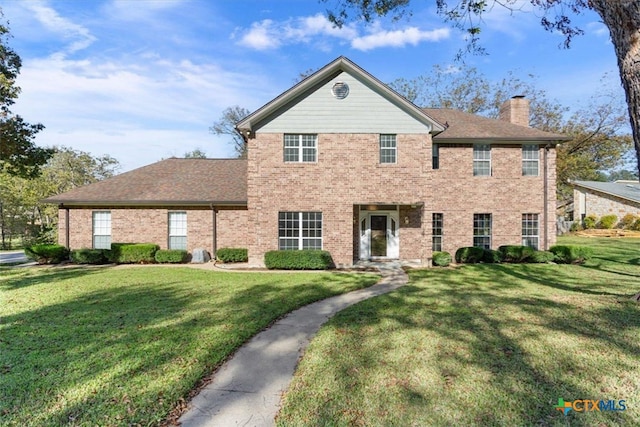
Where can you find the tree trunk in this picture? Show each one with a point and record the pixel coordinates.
(622, 17)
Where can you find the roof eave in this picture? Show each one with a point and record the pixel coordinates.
(575, 184)
(502, 140)
(145, 203)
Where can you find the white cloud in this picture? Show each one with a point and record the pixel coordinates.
(399, 38)
(81, 37)
(261, 36)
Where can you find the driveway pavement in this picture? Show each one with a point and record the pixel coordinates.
(11, 257)
(246, 390)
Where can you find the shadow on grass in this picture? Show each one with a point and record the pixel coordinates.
(125, 352)
(35, 275)
(489, 330)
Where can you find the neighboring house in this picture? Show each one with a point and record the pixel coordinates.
(343, 163)
(605, 198)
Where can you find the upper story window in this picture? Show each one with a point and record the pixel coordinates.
(388, 149)
(102, 230)
(435, 156)
(300, 148)
(530, 160)
(481, 160)
(178, 230)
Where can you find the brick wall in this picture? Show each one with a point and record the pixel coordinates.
(600, 204)
(150, 225)
(348, 173)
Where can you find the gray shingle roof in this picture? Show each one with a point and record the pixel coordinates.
(628, 190)
(465, 126)
(170, 181)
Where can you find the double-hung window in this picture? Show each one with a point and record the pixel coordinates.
(530, 233)
(178, 230)
(436, 231)
(482, 230)
(102, 230)
(300, 148)
(481, 160)
(299, 230)
(530, 160)
(388, 149)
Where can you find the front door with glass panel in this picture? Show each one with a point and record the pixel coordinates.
(379, 235)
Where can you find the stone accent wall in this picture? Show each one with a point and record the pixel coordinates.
(151, 225)
(600, 204)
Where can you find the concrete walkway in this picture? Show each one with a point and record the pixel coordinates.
(246, 390)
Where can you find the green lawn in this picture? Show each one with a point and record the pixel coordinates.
(114, 346)
(482, 345)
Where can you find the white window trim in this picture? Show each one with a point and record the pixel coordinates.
(300, 147)
(172, 232)
(536, 160)
(393, 149)
(482, 160)
(483, 235)
(93, 229)
(532, 236)
(441, 235)
(300, 229)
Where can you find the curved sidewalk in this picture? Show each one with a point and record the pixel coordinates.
(246, 390)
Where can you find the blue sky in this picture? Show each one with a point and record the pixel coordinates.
(143, 80)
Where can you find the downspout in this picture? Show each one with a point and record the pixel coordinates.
(66, 226)
(214, 231)
(545, 214)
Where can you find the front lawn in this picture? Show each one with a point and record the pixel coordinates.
(121, 346)
(482, 345)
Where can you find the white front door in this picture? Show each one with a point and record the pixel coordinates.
(379, 235)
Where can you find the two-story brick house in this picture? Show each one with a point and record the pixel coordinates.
(343, 163)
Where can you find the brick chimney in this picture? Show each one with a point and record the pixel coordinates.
(515, 110)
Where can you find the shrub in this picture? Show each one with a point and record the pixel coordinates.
(636, 225)
(491, 256)
(607, 222)
(627, 221)
(571, 254)
(233, 254)
(576, 226)
(133, 253)
(441, 259)
(469, 255)
(307, 259)
(89, 256)
(171, 256)
(590, 222)
(516, 253)
(47, 254)
(542, 257)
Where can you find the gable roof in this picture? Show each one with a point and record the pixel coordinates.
(461, 126)
(185, 182)
(628, 190)
(341, 64)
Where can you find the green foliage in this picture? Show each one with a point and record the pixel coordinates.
(441, 259)
(576, 226)
(542, 257)
(133, 253)
(607, 222)
(491, 256)
(627, 221)
(307, 259)
(571, 254)
(89, 256)
(47, 254)
(469, 255)
(590, 221)
(233, 254)
(636, 225)
(171, 256)
(516, 253)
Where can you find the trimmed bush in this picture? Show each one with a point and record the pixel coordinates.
(171, 256)
(491, 256)
(441, 259)
(636, 225)
(469, 255)
(627, 221)
(516, 253)
(542, 257)
(89, 256)
(571, 254)
(133, 253)
(306, 259)
(232, 254)
(590, 222)
(607, 222)
(47, 254)
(576, 226)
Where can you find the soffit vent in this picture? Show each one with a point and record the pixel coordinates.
(340, 90)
